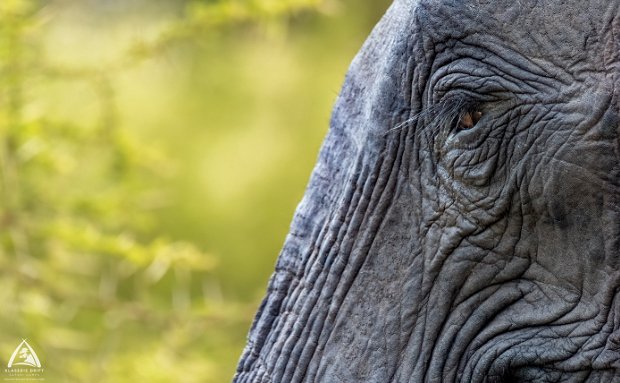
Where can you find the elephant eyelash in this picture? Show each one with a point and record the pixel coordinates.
(446, 117)
(456, 115)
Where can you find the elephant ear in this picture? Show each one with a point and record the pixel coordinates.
(350, 176)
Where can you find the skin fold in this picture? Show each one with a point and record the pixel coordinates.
(462, 223)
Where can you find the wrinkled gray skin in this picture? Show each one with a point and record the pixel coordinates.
(428, 251)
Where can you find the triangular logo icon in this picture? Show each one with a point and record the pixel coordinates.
(24, 355)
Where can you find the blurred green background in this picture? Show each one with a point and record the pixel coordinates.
(152, 153)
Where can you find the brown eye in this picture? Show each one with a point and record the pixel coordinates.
(469, 120)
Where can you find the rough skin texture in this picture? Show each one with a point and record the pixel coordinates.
(432, 246)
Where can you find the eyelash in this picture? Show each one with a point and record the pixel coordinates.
(458, 115)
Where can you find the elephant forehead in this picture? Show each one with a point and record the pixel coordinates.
(575, 30)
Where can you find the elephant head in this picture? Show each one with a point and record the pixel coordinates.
(462, 223)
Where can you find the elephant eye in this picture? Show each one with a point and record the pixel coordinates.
(469, 120)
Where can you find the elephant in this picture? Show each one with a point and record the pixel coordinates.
(462, 223)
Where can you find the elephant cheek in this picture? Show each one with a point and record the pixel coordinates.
(475, 168)
(577, 226)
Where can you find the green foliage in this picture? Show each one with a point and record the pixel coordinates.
(143, 174)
